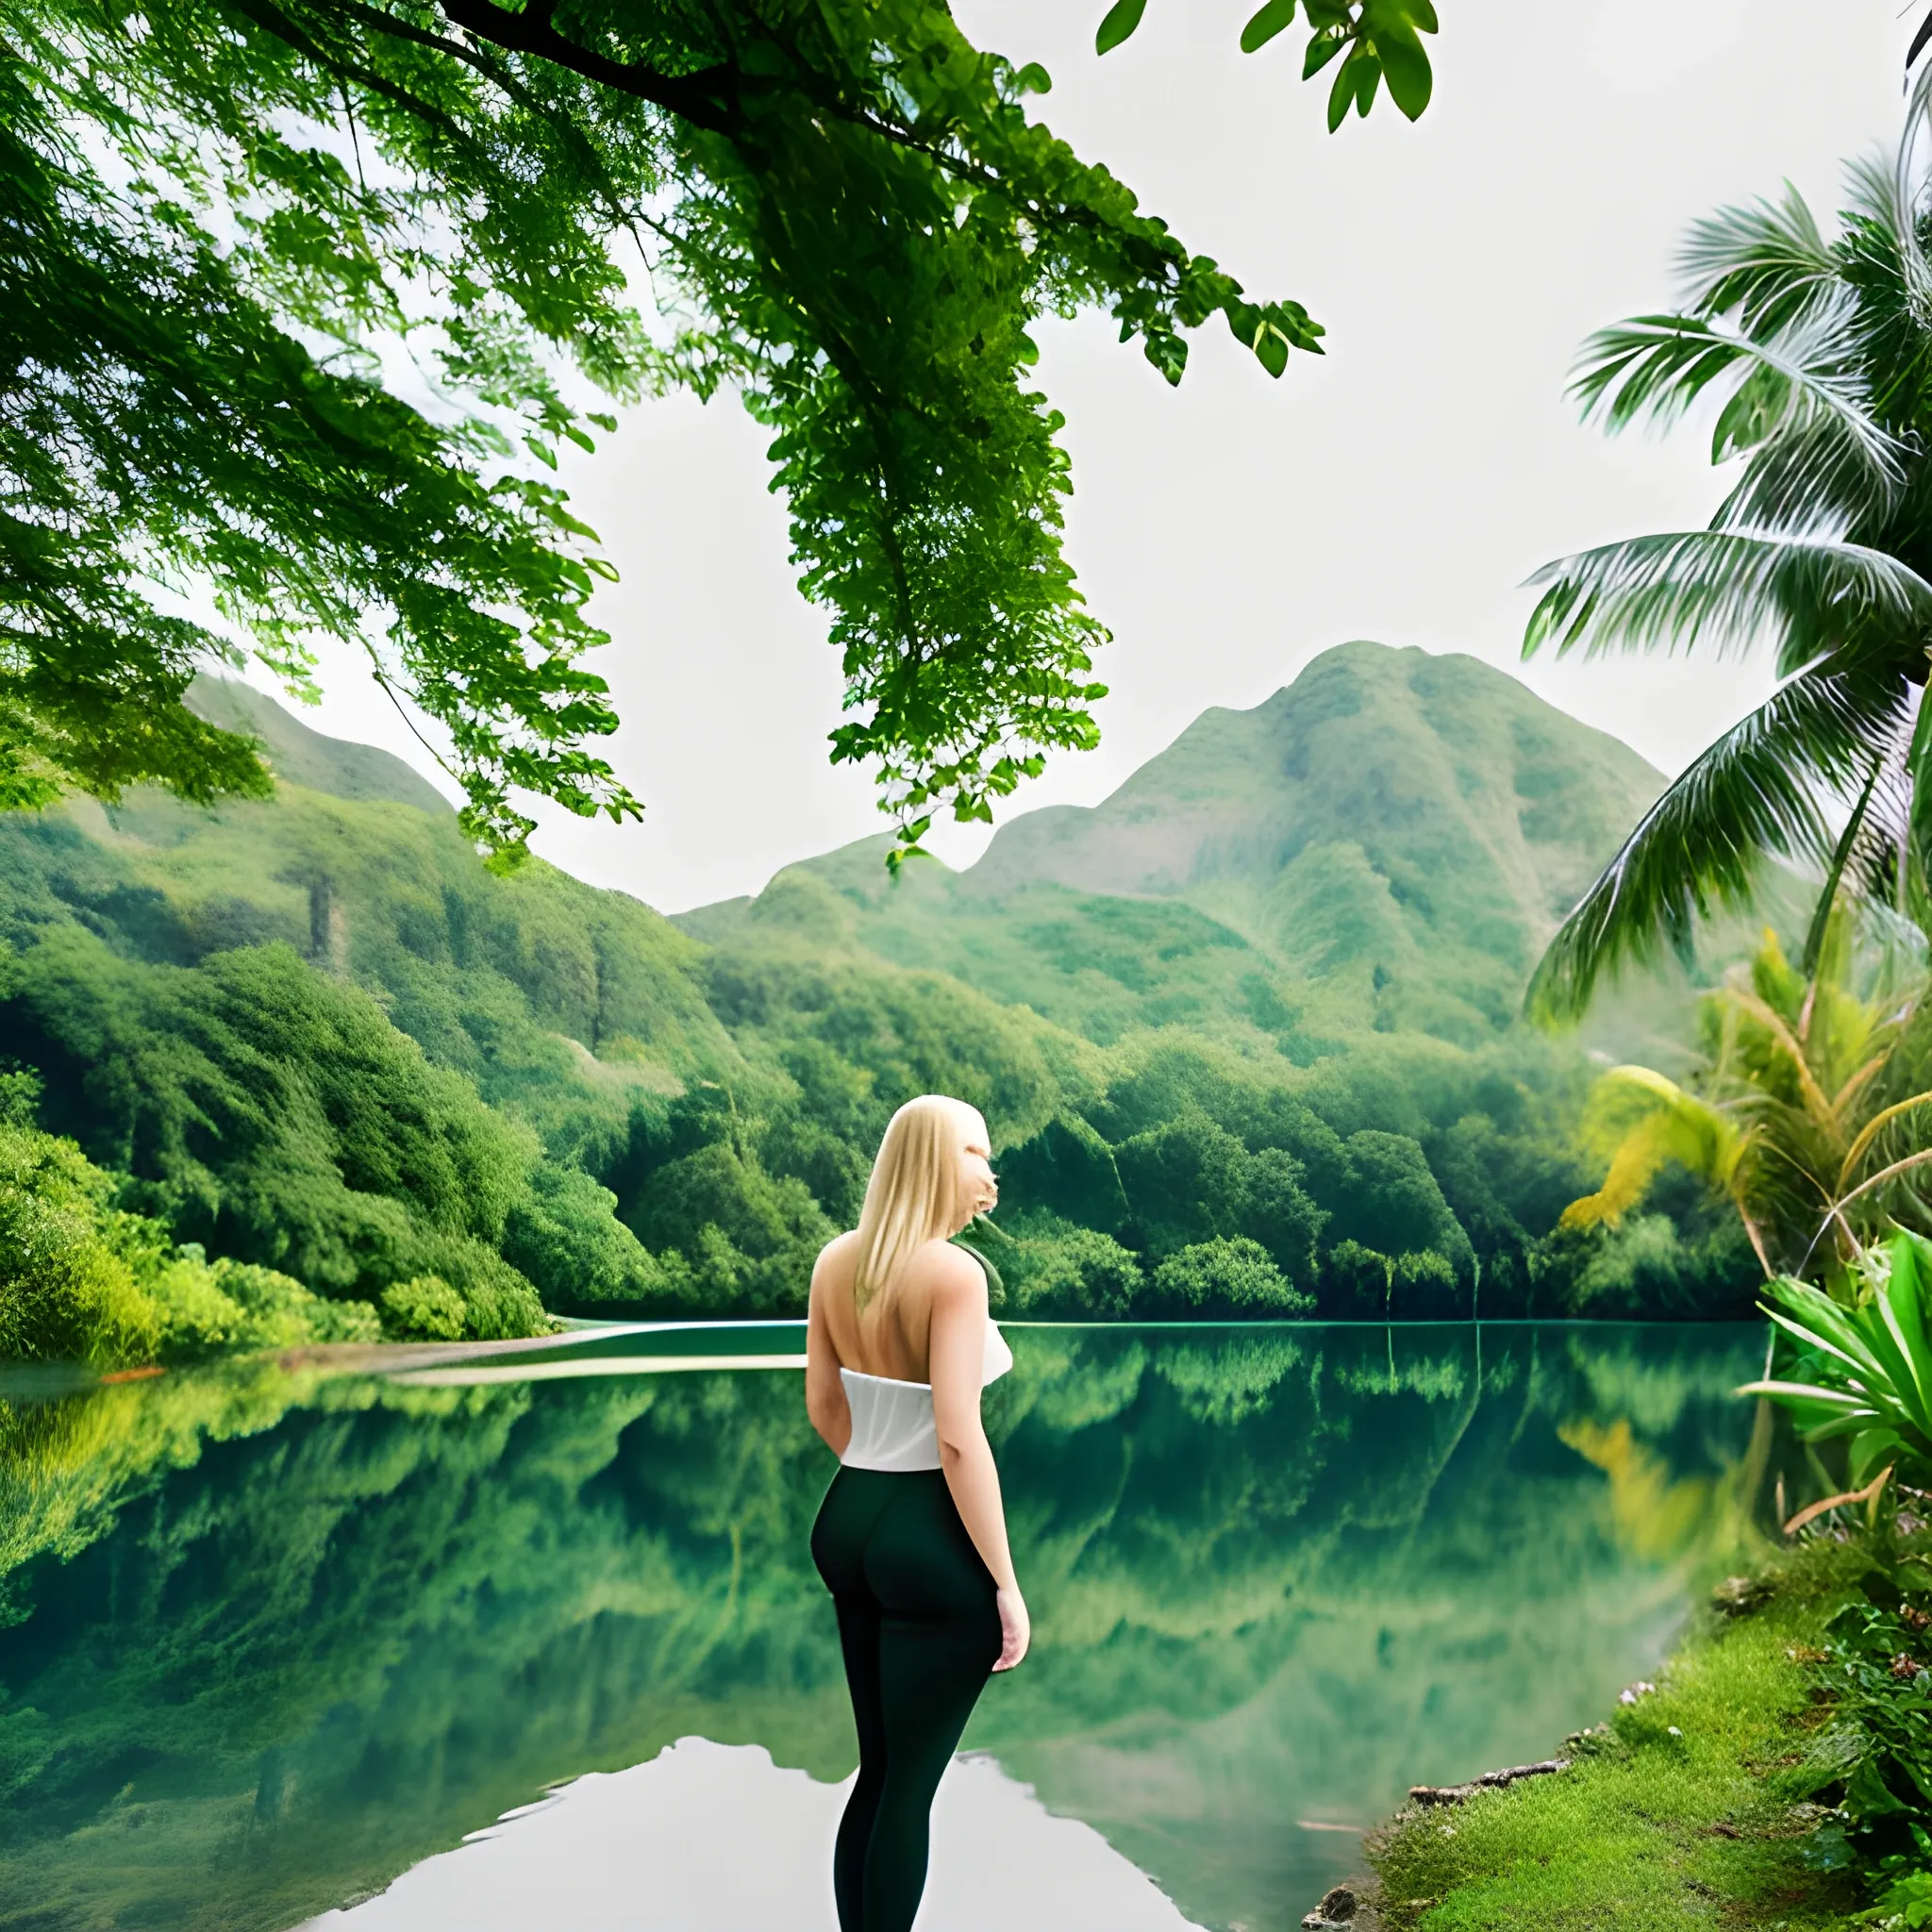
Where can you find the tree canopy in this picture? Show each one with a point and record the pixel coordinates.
(294, 293)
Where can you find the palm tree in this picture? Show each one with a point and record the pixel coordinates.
(1820, 348)
(1808, 1111)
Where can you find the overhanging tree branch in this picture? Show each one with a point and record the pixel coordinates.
(707, 98)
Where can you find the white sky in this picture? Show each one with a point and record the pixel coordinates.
(1400, 488)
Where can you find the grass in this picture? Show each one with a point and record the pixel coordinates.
(1680, 1815)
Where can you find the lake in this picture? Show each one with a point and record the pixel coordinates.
(541, 1632)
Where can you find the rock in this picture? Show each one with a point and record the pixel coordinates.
(1490, 1780)
(1738, 1596)
(1582, 1744)
(1335, 1911)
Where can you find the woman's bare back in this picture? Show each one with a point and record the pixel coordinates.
(892, 1335)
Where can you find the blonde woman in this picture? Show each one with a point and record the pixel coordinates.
(911, 1538)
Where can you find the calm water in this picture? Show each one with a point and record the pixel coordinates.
(269, 1640)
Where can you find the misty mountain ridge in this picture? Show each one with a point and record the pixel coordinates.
(1386, 843)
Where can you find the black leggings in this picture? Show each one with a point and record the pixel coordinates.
(920, 1630)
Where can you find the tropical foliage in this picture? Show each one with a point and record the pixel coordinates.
(1880, 1691)
(1870, 1363)
(246, 236)
(1806, 1111)
(1820, 347)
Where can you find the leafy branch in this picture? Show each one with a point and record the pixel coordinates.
(1374, 41)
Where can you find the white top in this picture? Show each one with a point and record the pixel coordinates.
(892, 1423)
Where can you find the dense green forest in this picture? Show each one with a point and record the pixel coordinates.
(274, 1639)
(1246, 1036)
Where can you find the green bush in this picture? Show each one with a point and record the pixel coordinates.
(1359, 1284)
(565, 1237)
(67, 1288)
(425, 1308)
(208, 1308)
(1236, 1278)
(81, 1280)
(1057, 1271)
(1879, 1749)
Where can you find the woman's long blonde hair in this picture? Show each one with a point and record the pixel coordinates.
(914, 1193)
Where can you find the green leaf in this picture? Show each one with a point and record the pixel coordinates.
(1167, 352)
(1903, 1304)
(1802, 1394)
(1033, 80)
(1268, 22)
(1870, 1449)
(1122, 17)
(1407, 67)
(1368, 78)
(1341, 96)
(1271, 350)
(1322, 48)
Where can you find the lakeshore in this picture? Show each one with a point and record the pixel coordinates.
(1703, 1797)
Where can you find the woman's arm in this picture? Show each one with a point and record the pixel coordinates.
(825, 1389)
(957, 1351)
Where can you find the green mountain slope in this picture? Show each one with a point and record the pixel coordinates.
(299, 756)
(1244, 1033)
(1385, 843)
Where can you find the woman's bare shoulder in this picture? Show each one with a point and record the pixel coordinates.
(840, 1245)
(834, 1264)
(947, 1270)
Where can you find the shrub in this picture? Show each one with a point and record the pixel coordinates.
(208, 1306)
(82, 1281)
(1055, 1269)
(1237, 1277)
(423, 1308)
(67, 1288)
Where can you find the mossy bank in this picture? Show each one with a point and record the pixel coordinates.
(1747, 1789)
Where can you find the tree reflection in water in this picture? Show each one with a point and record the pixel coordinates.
(272, 1639)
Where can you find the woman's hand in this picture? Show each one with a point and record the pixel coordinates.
(1016, 1628)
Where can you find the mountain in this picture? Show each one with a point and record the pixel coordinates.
(299, 756)
(1245, 1033)
(1385, 843)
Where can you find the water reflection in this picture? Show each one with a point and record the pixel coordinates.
(666, 1844)
(271, 1640)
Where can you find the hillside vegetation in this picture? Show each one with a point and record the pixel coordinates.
(1385, 844)
(1244, 1033)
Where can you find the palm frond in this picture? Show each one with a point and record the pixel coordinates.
(1766, 261)
(1817, 471)
(1786, 1046)
(1755, 791)
(1887, 192)
(1672, 589)
(1823, 911)
(1800, 410)
(1873, 1128)
(1644, 1120)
